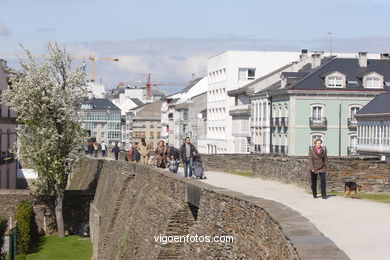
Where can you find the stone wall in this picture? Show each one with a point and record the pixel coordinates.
(133, 203)
(372, 174)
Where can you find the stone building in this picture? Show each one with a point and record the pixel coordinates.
(102, 119)
(8, 162)
(373, 122)
(145, 122)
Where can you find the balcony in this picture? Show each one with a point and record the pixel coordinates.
(318, 122)
(279, 149)
(352, 123)
(279, 121)
(240, 110)
(351, 150)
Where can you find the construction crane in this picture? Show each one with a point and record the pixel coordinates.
(149, 85)
(93, 59)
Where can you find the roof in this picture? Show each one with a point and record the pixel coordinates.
(137, 101)
(379, 105)
(100, 104)
(191, 84)
(150, 110)
(347, 66)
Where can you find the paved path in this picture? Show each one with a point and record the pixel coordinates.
(360, 228)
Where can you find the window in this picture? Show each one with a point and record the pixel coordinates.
(102, 134)
(353, 141)
(158, 135)
(246, 73)
(373, 82)
(316, 113)
(316, 136)
(353, 111)
(335, 82)
(151, 134)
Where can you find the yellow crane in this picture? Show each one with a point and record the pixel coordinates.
(93, 59)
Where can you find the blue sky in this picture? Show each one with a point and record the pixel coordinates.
(172, 38)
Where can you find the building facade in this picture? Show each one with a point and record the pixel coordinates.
(102, 120)
(229, 71)
(8, 161)
(319, 101)
(373, 122)
(145, 122)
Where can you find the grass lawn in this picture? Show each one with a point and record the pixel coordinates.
(242, 173)
(54, 248)
(385, 198)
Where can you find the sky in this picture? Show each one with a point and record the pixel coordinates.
(171, 39)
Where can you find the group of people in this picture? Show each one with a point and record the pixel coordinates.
(93, 148)
(165, 155)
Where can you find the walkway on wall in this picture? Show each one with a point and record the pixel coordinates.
(361, 228)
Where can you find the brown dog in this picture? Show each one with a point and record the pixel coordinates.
(351, 186)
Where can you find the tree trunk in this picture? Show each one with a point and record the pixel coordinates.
(59, 216)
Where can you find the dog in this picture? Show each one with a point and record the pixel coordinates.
(351, 186)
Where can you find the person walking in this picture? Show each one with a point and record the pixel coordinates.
(95, 149)
(135, 155)
(318, 165)
(104, 149)
(174, 156)
(187, 151)
(144, 149)
(161, 155)
(116, 151)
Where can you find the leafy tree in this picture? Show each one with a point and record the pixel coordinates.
(45, 94)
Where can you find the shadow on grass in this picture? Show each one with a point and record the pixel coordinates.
(37, 244)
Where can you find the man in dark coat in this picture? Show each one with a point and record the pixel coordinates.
(135, 155)
(116, 151)
(187, 152)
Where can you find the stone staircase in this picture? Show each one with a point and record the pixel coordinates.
(179, 224)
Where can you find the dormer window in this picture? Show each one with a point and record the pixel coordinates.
(373, 80)
(335, 80)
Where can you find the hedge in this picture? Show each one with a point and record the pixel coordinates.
(24, 213)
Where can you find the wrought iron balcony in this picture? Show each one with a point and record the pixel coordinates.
(352, 123)
(351, 150)
(279, 121)
(280, 149)
(318, 122)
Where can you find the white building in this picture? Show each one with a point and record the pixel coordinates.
(228, 71)
(96, 89)
(175, 112)
(373, 122)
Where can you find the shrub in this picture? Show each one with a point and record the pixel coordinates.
(3, 228)
(24, 213)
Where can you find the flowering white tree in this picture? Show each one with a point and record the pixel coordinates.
(45, 94)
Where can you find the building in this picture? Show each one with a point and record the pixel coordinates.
(176, 110)
(145, 122)
(8, 162)
(317, 101)
(197, 118)
(373, 122)
(102, 119)
(246, 132)
(228, 71)
(97, 90)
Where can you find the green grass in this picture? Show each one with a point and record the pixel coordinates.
(54, 248)
(385, 198)
(242, 173)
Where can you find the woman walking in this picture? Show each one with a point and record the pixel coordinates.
(161, 155)
(144, 149)
(318, 165)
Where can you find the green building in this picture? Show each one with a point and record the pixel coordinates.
(318, 101)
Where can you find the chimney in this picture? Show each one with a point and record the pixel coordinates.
(315, 60)
(303, 54)
(385, 56)
(283, 81)
(90, 95)
(363, 59)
